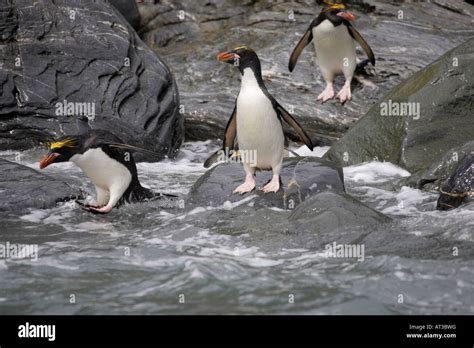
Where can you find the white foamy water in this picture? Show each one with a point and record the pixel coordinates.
(139, 259)
(374, 172)
(304, 151)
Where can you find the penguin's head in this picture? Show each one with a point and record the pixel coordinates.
(241, 57)
(337, 13)
(60, 150)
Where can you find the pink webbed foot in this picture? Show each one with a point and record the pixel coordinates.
(273, 185)
(327, 94)
(345, 93)
(247, 186)
(102, 210)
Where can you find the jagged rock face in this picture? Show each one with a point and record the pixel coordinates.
(194, 36)
(441, 170)
(437, 117)
(68, 66)
(23, 188)
(302, 177)
(459, 188)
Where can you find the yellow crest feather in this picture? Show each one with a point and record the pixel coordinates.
(68, 142)
(332, 5)
(238, 48)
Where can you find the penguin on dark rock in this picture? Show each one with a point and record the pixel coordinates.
(108, 163)
(333, 36)
(256, 123)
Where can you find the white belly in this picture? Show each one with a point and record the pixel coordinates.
(258, 127)
(102, 170)
(335, 48)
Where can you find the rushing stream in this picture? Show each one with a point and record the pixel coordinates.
(141, 259)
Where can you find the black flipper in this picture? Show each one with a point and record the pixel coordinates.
(295, 125)
(304, 41)
(365, 46)
(231, 130)
(212, 159)
(229, 139)
(132, 148)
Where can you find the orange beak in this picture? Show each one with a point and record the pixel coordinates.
(347, 16)
(48, 159)
(227, 56)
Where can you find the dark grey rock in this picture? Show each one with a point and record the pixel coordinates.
(323, 218)
(312, 210)
(333, 211)
(79, 52)
(444, 92)
(167, 24)
(128, 9)
(441, 170)
(459, 188)
(22, 187)
(208, 87)
(301, 176)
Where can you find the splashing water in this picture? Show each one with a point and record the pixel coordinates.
(141, 259)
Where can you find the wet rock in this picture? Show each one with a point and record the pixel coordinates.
(459, 188)
(442, 92)
(128, 9)
(301, 177)
(208, 88)
(323, 218)
(405, 244)
(82, 52)
(167, 24)
(22, 187)
(441, 170)
(332, 211)
(311, 211)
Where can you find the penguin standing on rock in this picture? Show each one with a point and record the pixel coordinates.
(334, 37)
(107, 162)
(256, 122)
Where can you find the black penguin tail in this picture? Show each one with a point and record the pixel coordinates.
(140, 194)
(360, 67)
(137, 193)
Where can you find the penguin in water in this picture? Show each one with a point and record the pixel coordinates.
(256, 122)
(334, 37)
(108, 163)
